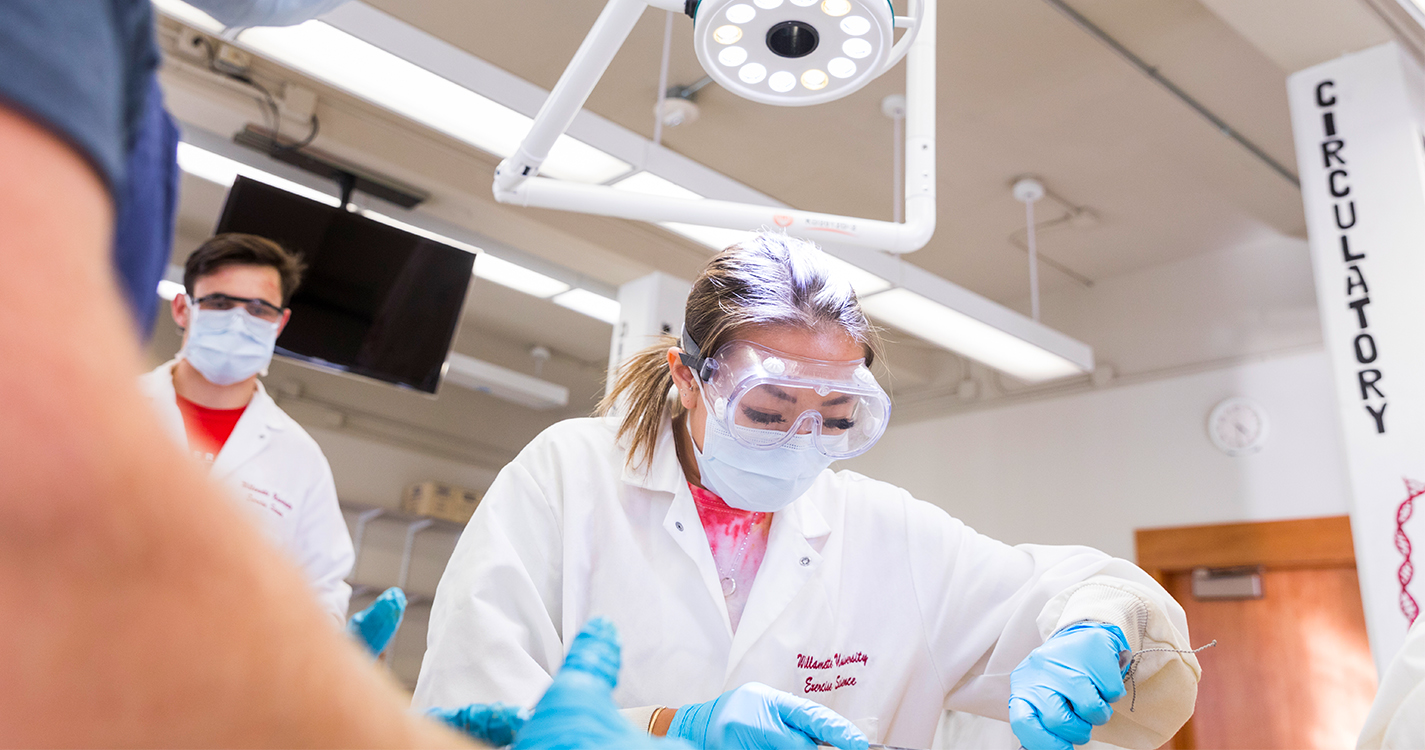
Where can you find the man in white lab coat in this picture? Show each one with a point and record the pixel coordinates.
(211, 401)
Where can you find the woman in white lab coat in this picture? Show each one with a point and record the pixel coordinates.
(1397, 717)
(705, 524)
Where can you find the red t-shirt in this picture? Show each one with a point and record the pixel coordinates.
(208, 429)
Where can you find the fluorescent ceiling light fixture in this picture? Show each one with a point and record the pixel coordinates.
(716, 238)
(367, 71)
(864, 282)
(418, 231)
(185, 13)
(170, 290)
(590, 304)
(647, 183)
(516, 277)
(961, 333)
(224, 171)
(502, 382)
(212, 167)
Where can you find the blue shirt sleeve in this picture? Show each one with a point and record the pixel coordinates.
(143, 226)
(80, 69)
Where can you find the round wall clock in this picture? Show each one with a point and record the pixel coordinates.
(1238, 426)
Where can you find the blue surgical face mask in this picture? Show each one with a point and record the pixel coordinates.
(764, 481)
(228, 346)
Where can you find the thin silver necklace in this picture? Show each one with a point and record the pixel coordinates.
(729, 584)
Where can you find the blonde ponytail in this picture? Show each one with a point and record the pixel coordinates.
(643, 386)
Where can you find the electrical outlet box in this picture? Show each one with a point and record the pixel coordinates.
(232, 60)
(191, 45)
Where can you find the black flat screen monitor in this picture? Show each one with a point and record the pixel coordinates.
(375, 300)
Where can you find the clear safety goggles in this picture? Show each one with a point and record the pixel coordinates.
(768, 399)
(257, 308)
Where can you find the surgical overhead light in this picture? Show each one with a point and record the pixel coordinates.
(782, 52)
(588, 303)
(779, 52)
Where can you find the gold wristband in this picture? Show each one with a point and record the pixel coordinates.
(652, 720)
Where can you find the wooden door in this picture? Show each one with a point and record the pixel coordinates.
(1293, 668)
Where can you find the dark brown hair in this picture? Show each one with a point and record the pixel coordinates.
(770, 279)
(233, 249)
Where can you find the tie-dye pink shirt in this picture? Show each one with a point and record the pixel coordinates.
(733, 534)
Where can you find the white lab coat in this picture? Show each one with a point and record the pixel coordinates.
(279, 473)
(1397, 717)
(882, 607)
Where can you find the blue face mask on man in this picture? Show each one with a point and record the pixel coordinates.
(228, 346)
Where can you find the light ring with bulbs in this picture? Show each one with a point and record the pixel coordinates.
(795, 52)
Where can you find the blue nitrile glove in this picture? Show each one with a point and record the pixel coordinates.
(578, 711)
(1063, 688)
(375, 625)
(494, 724)
(756, 716)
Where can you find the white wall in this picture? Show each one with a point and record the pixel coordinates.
(370, 473)
(1248, 299)
(1092, 467)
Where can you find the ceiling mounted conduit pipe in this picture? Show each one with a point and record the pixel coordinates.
(850, 46)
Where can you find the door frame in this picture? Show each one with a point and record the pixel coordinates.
(1275, 545)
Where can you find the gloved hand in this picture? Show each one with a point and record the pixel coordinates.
(756, 716)
(375, 625)
(494, 724)
(1063, 688)
(578, 711)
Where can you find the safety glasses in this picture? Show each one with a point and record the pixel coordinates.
(768, 399)
(257, 308)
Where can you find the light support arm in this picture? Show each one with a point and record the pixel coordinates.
(516, 182)
(920, 134)
(576, 83)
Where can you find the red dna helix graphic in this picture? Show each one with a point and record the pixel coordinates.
(1406, 573)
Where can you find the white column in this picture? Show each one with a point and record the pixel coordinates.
(649, 306)
(1358, 124)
